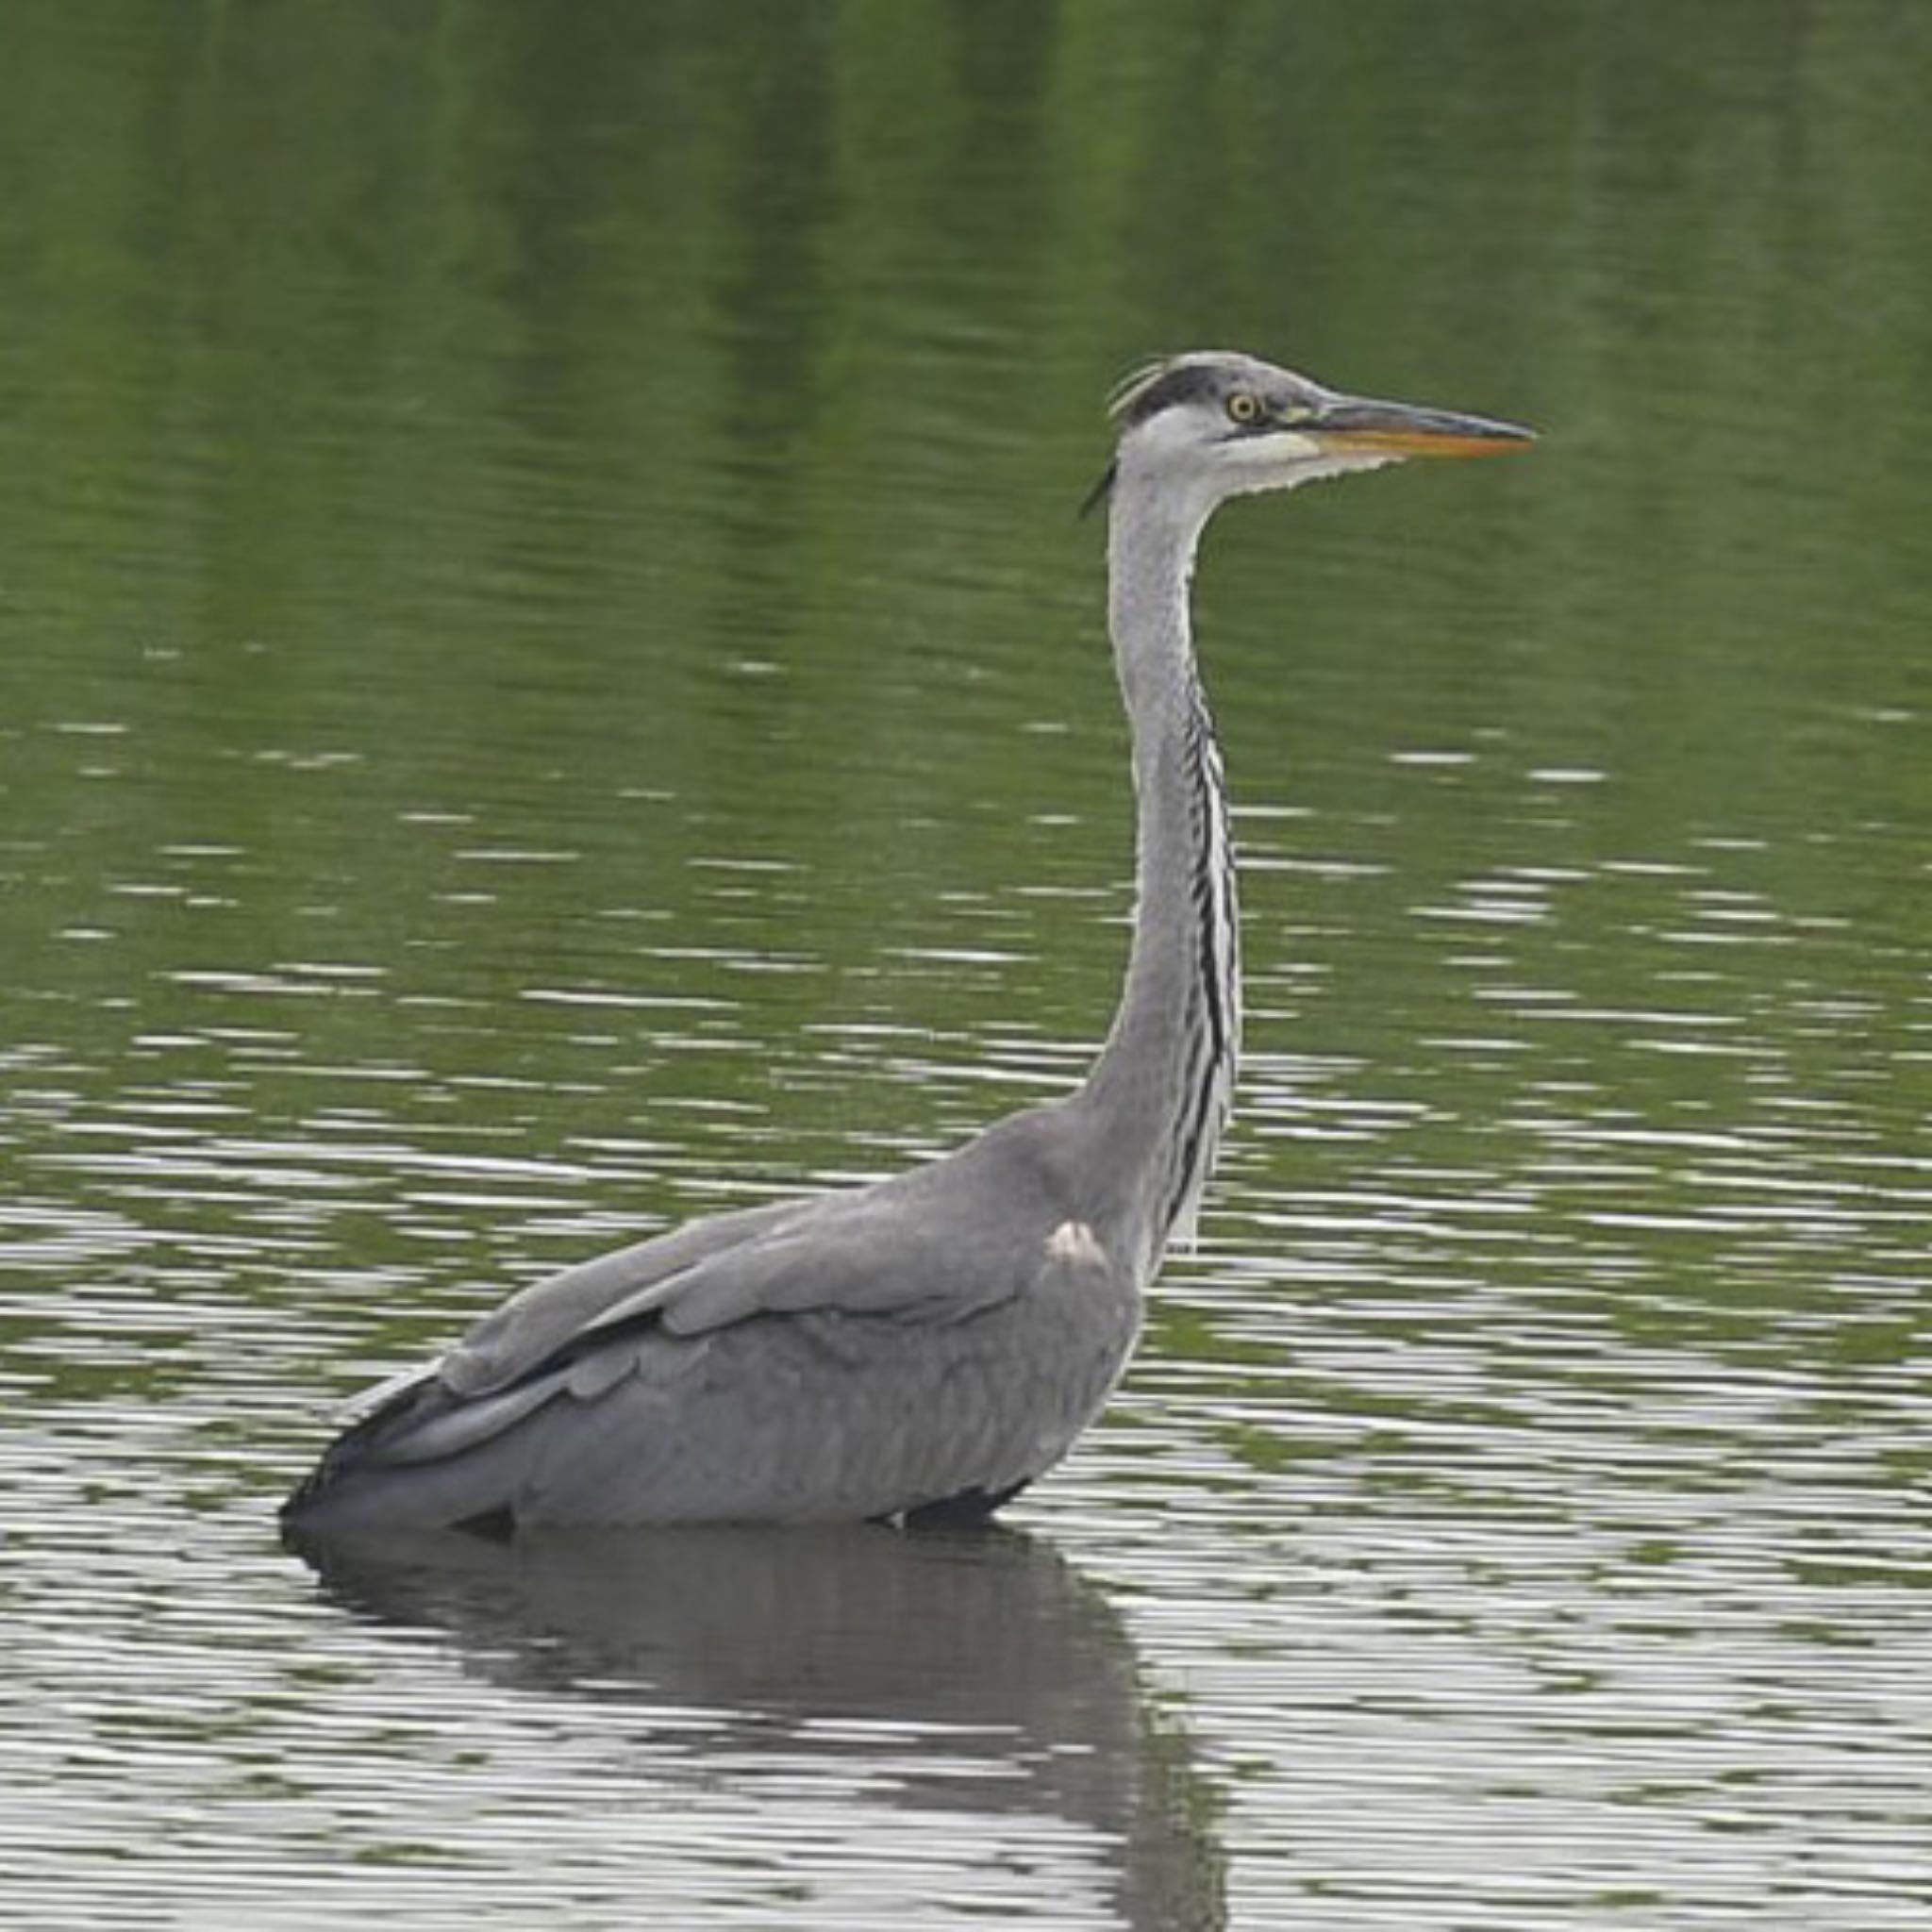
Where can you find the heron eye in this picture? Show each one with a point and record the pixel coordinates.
(1243, 407)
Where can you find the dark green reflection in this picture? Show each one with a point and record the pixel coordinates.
(542, 607)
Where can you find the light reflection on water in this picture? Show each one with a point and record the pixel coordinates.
(1515, 1515)
(1496, 1523)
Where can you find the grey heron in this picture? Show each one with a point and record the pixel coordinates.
(919, 1349)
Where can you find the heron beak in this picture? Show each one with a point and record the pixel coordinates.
(1357, 425)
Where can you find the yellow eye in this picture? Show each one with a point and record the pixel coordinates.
(1243, 407)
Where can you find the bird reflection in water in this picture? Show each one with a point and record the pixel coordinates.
(998, 1679)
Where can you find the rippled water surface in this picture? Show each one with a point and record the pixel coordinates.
(549, 683)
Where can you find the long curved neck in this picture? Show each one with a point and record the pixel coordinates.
(1158, 1095)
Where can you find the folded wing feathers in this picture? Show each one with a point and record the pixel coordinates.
(911, 1249)
(531, 1326)
(871, 1253)
(467, 1424)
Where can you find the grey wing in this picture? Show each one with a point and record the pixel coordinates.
(982, 1234)
(879, 1251)
(933, 1244)
(535, 1324)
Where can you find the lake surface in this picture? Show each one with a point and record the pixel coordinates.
(550, 682)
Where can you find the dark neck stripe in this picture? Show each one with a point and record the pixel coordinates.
(1208, 1078)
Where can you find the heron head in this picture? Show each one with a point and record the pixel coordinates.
(1215, 424)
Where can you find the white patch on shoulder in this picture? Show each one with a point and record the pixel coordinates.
(1074, 1241)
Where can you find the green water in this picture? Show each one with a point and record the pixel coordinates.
(550, 681)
